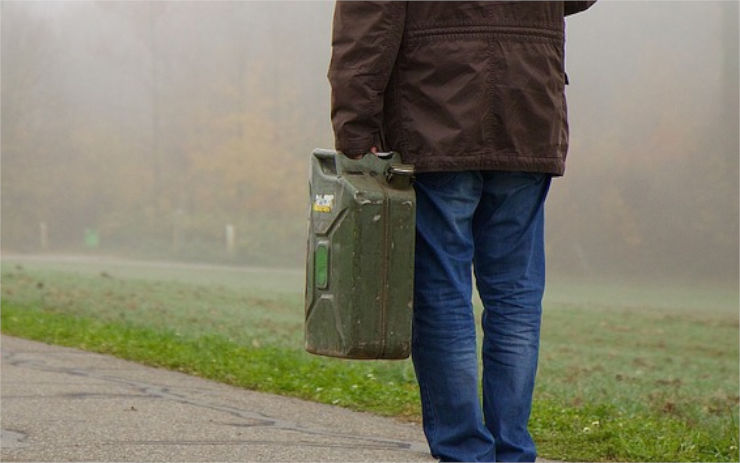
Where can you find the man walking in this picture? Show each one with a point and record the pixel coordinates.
(472, 94)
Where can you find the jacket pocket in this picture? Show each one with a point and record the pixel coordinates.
(525, 98)
(442, 88)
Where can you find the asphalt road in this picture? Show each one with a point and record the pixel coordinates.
(62, 404)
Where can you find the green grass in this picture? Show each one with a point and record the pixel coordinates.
(264, 368)
(618, 380)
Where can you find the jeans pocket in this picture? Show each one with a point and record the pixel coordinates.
(533, 177)
(436, 179)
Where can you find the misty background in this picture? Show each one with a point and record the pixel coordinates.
(182, 130)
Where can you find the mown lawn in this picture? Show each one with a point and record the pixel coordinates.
(638, 372)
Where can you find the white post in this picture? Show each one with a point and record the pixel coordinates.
(230, 239)
(177, 219)
(44, 236)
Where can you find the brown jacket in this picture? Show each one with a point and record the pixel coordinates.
(453, 85)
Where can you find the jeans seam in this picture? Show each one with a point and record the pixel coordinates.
(426, 403)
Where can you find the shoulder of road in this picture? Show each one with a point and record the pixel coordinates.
(66, 404)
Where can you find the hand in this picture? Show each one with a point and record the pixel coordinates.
(373, 149)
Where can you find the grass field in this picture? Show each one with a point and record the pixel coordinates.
(628, 372)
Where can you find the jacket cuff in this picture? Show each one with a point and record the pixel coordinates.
(356, 145)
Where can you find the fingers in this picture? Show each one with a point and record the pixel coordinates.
(373, 149)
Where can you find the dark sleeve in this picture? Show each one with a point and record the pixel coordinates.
(576, 6)
(366, 37)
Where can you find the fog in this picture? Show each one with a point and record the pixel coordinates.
(147, 129)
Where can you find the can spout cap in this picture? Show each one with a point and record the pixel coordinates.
(400, 175)
(401, 169)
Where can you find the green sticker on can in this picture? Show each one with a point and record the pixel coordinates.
(321, 265)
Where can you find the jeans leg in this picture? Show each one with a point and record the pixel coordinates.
(443, 341)
(510, 276)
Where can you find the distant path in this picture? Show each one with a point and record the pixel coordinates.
(62, 404)
(82, 259)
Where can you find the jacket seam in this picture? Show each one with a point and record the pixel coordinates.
(555, 33)
(519, 37)
(388, 59)
(398, 101)
(553, 25)
(489, 121)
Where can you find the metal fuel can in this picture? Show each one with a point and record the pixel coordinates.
(360, 259)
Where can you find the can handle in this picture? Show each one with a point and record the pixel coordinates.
(388, 165)
(367, 163)
(322, 153)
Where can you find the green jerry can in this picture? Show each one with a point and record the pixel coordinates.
(360, 262)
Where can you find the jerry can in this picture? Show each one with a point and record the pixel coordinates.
(360, 260)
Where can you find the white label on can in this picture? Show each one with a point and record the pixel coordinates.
(323, 203)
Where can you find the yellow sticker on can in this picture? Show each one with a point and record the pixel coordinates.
(323, 203)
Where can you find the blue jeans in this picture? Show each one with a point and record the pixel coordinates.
(492, 221)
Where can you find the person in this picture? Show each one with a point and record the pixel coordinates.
(472, 94)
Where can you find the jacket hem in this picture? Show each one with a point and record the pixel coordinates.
(489, 161)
